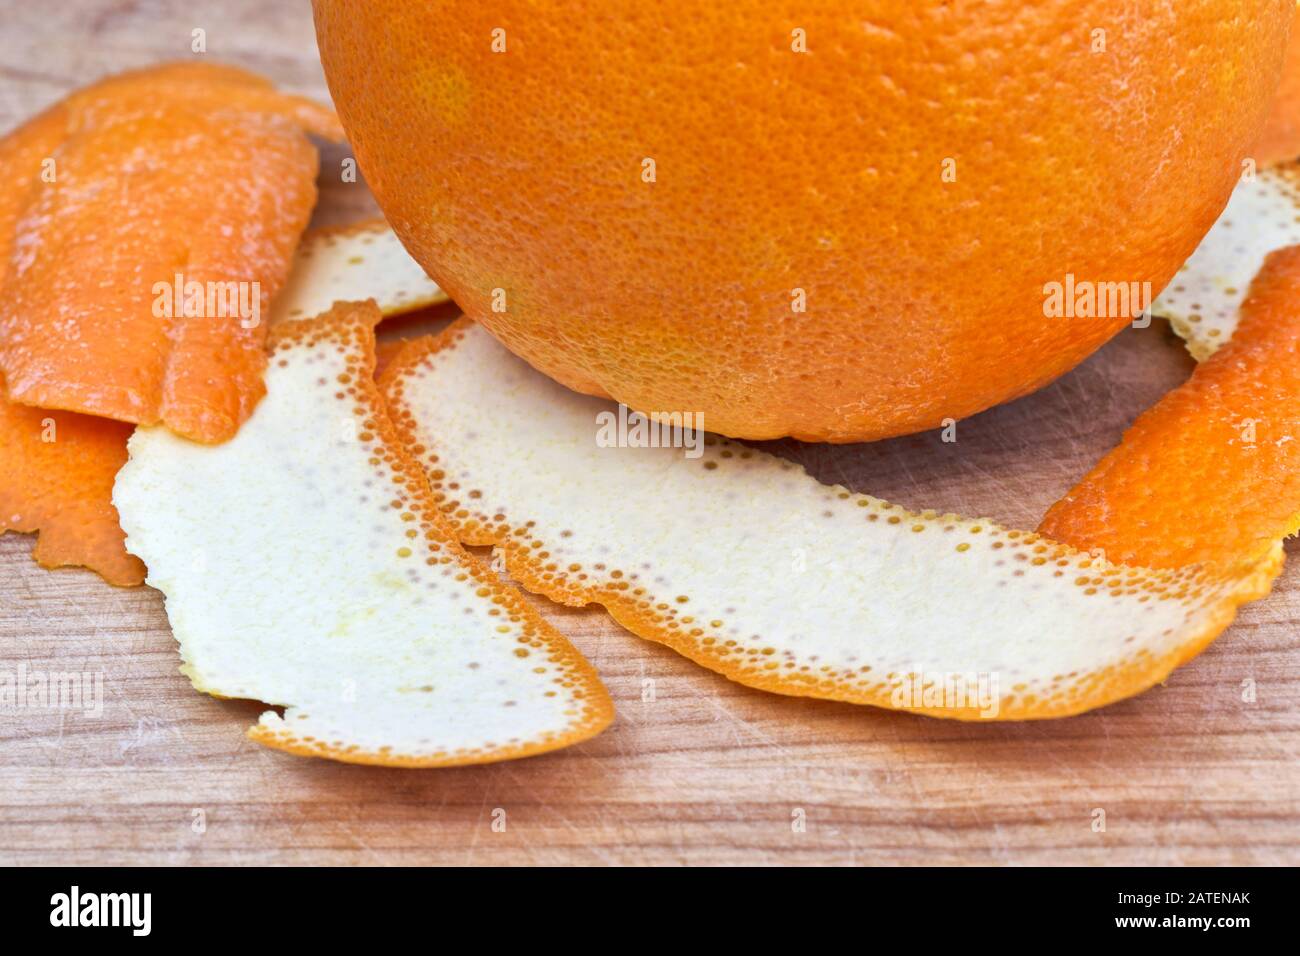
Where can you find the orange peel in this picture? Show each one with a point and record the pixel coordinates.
(56, 478)
(1203, 300)
(351, 263)
(744, 563)
(305, 564)
(62, 486)
(173, 190)
(1211, 473)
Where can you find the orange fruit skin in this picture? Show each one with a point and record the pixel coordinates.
(190, 169)
(778, 173)
(1209, 475)
(1280, 139)
(56, 477)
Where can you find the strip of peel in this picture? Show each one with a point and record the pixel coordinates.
(1203, 301)
(352, 263)
(305, 565)
(742, 562)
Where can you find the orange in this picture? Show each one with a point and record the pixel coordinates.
(191, 176)
(831, 221)
(1280, 140)
(1211, 474)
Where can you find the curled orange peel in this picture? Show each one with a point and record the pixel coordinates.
(1209, 475)
(744, 563)
(1202, 302)
(152, 217)
(56, 478)
(59, 480)
(352, 263)
(306, 565)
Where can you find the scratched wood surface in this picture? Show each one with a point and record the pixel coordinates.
(706, 772)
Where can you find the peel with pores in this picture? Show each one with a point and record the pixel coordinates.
(305, 565)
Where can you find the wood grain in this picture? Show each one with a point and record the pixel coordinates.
(707, 772)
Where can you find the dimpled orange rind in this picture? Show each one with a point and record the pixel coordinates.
(1211, 474)
(190, 170)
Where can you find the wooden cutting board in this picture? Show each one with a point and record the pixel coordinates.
(707, 772)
